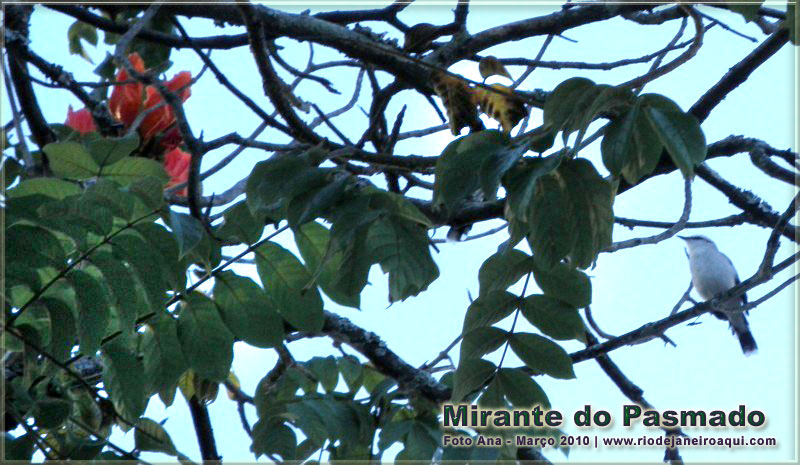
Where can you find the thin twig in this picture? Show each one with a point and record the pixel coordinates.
(532, 66)
(681, 59)
(671, 231)
(683, 299)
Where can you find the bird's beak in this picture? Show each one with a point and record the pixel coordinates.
(684, 238)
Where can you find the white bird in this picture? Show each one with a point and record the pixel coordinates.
(712, 274)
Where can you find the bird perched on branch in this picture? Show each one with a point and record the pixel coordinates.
(712, 274)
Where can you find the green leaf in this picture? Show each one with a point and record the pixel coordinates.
(206, 341)
(120, 280)
(109, 150)
(492, 397)
(419, 444)
(604, 98)
(50, 187)
(151, 436)
(19, 448)
(240, 225)
(348, 237)
(308, 205)
(286, 281)
(481, 341)
(553, 317)
(50, 413)
(520, 184)
(498, 162)
(162, 354)
(552, 219)
(273, 438)
(71, 160)
(149, 192)
(79, 213)
(470, 375)
(402, 249)
(542, 355)
(32, 246)
(131, 169)
(747, 8)
(274, 182)
(81, 31)
(502, 270)
(123, 378)
(397, 205)
(679, 132)
(457, 178)
(165, 245)
(393, 432)
(563, 102)
(488, 309)
(591, 199)
(520, 389)
(539, 139)
(342, 285)
(63, 329)
(630, 146)
(326, 371)
(107, 195)
(93, 310)
(564, 283)
(188, 231)
(352, 371)
(247, 311)
(144, 260)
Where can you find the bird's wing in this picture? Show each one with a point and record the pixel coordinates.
(737, 281)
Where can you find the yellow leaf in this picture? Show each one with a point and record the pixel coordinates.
(457, 98)
(234, 381)
(490, 66)
(186, 384)
(192, 385)
(501, 105)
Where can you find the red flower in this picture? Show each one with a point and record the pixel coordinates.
(160, 119)
(80, 120)
(126, 99)
(176, 163)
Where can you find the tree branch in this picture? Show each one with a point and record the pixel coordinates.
(204, 431)
(738, 74)
(16, 36)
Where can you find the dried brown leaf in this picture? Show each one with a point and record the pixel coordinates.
(458, 99)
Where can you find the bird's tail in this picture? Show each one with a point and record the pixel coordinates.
(742, 331)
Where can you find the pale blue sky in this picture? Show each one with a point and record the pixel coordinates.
(707, 369)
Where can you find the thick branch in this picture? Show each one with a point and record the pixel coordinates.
(203, 430)
(387, 362)
(16, 29)
(738, 74)
(274, 88)
(214, 42)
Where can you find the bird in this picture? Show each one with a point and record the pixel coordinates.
(712, 274)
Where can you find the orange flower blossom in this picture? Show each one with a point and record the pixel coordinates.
(176, 163)
(126, 99)
(80, 120)
(158, 120)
